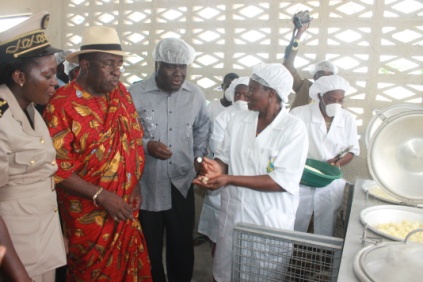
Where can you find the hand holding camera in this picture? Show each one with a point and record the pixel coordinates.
(301, 19)
(301, 22)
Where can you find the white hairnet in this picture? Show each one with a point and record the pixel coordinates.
(326, 84)
(323, 66)
(275, 76)
(174, 51)
(60, 56)
(230, 92)
(69, 66)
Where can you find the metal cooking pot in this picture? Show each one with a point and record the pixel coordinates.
(390, 262)
(381, 115)
(395, 156)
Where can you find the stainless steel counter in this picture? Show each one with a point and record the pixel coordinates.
(353, 238)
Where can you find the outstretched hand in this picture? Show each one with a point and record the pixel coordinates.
(211, 183)
(210, 168)
(210, 175)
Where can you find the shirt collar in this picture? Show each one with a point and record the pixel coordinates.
(151, 85)
(253, 117)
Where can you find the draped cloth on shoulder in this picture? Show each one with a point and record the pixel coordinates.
(100, 139)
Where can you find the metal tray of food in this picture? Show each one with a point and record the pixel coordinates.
(393, 222)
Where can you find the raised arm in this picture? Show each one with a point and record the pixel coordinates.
(290, 55)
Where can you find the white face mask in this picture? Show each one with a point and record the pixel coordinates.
(332, 109)
(241, 105)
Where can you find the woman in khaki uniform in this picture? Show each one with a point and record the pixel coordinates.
(28, 202)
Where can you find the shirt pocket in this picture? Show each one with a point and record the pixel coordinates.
(149, 124)
(20, 162)
(188, 131)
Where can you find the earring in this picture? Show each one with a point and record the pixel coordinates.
(21, 84)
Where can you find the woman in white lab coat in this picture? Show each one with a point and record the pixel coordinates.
(331, 129)
(260, 163)
(236, 93)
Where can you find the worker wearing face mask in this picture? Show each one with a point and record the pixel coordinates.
(236, 93)
(331, 130)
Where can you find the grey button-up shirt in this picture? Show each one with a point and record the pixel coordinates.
(179, 120)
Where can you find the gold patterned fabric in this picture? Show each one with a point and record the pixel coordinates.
(100, 139)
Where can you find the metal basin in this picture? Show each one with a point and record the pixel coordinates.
(376, 215)
(390, 262)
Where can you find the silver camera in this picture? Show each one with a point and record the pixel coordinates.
(301, 19)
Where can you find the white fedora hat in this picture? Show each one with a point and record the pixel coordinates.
(101, 39)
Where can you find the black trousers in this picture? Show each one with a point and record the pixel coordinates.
(178, 222)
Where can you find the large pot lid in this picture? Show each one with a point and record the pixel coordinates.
(381, 115)
(394, 262)
(395, 156)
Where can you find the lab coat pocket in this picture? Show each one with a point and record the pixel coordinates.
(269, 217)
(277, 219)
(223, 212)
(24, 233)
(263, 159)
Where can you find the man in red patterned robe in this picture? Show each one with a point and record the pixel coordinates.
(98, 138)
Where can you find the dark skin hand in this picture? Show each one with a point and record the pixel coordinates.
(115, 206)
(341, 161)
(213, 175)
(159, 150)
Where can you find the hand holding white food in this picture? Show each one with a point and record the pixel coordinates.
(212, 183)
(210, 175)
(210, 168)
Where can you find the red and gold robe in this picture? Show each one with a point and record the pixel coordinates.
(100, 139)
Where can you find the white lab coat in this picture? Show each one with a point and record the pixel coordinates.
(279, 151)
(324, 145)
(215, 107)
(210, 211)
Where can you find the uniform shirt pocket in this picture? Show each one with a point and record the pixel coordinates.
(19, 163)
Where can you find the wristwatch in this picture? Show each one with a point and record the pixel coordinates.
(295, 45)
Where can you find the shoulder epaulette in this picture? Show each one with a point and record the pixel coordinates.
(3, 106)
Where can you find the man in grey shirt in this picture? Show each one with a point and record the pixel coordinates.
(176, 131)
